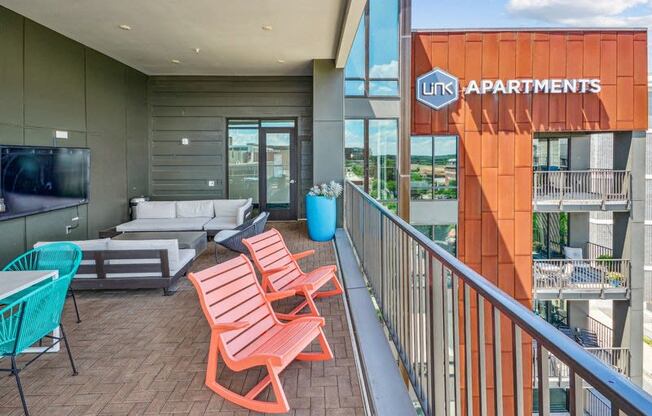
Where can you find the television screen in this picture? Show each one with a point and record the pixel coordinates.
(39, 179)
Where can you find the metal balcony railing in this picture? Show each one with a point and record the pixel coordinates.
(576, 187)
(603, 333)
(589, 274)
(425, 298)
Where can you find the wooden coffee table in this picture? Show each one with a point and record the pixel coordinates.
(195, 240)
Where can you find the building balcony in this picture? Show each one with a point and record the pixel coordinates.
(581, 190)
(592, 278)
(437, 311)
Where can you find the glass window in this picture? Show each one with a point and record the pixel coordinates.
(383, 146)
(433, 167)
(444, 235)
(243, 159)
(277, 123)
(354, 134)
(355, 66)
(550, 234)
(550, 154)
(383, 39)
(372, 67)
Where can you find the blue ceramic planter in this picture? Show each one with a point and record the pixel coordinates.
(321, 213)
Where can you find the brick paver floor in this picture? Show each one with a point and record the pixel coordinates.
(139, 352)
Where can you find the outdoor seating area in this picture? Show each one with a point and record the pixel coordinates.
(138, 352)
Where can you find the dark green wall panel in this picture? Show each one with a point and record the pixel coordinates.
(108, 204)
(49, 84)
(54, 80)
(198, 108)
(51, 226)
(106, 93)
(12, 242)
(11, 67)
(42, 136)
(137, 128)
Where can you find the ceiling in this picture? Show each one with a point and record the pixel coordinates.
(228, 33)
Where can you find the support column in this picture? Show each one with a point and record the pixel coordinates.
(405, 121)
(328, 125)
(628, 235)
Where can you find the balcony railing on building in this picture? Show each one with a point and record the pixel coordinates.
(581, 190)
(593, 278)
(437, 311)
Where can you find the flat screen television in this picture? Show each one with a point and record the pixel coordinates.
(40, 179)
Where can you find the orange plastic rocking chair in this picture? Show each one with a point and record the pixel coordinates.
(281, 272)
(245, 331)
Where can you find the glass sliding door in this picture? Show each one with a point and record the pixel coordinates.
(262, 165)
(243, 156)
(551, 153)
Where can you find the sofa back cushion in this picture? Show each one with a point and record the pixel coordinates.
(228, 207)
(156, 209)
(172, 247)
(195, 209)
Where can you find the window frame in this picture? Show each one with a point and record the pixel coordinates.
(367, 150)
(433, 187)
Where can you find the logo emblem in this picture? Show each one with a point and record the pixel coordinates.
(437, 89)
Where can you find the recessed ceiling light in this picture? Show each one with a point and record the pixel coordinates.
(125, 27)
(267, 27)
(175, 61)
(196, 50)
(280, 61)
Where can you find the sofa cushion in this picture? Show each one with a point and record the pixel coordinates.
(85, 245)
(221, 223)
(164, 224)
(228, 207)
(156, 209)
(172, 247)
(194, 209)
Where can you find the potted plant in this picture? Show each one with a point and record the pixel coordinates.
(321, 210)
(615, 278)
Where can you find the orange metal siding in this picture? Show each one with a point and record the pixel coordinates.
(495, 132)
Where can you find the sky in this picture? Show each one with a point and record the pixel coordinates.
(443, 14)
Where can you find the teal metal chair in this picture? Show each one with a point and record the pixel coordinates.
(29, 319)
(64, 257)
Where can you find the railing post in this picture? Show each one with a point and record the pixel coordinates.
(543, 391)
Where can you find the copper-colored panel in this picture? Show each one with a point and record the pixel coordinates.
(557, 108)
(625, 99)
(507, 59)
(540, 113)
(608, 58)
(489, 184)
(489, 108)
(640, 62)
(489, 235)
(456, 55)
(523, 147)
(640, 107)
(524, 55)
(541, 59)
(489, 146)
(523, 108)
(507, 112)
(591, 69)
(505, 152)
(574, 119)
(557, 55)
(523, 236)
(473, 113)
(590, 108)
(505, 196)
(625, 61)
(490, 55)
(473, 243)
(472, 198)
(505, 241)
(472, 145)
(523, 277)
(523, 189)
(574, 65)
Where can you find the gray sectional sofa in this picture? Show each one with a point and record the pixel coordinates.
(205, 215)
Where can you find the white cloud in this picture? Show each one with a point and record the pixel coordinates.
(582, 12)
(389, 70)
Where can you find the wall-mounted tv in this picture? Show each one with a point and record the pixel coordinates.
(40, 179)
